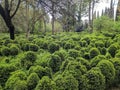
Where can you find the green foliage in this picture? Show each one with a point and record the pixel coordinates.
(20, 85)
(41, 71)
(32, 81)
(62, 54)
(84, 62)
(96, 80)
(108, 70)
(14, 80)
(28, 59)
(46, 84)
(96, 60)
(68, 45)
(5, 51)
(73, 53)
(5, 71)
(112, 49)
(33, 47)
(25, 47)
(103, 23)
(55, 62)
(14, 50)
(94, 52)
(116, 63)
(53, 47)
(99, 44)
(75, 68)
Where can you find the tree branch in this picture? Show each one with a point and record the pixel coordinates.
(16, 9)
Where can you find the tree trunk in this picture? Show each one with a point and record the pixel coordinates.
(11, 30)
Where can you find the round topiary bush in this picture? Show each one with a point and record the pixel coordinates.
(96, 60)
(28, 59)
(96, 80)
(32, 81)
(55, 63)
(14, 50)
(99, 44)
(33, 47)
(5, 51)
(62, 54)
(20, 85)
(108, 70)
(94, 52)
(84, 62)
(83, 43)
(116, 63)
(68, 45)
(46, 84)
(53, 47)
(31, 56)
(73, 53)
(103, 51)
(25, 47)
(41, 71)
(112, 49)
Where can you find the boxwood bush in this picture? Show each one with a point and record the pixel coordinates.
(52, 47)
(5, 51)
(14, 50)
(96, 80)
(108, 70)
(94, 52)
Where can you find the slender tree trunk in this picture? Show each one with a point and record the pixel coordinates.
(53, 18)
(11, 30)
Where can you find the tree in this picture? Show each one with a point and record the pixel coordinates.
(7, 14)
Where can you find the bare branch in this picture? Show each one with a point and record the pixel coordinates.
(16, 9)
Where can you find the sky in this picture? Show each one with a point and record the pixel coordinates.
(101, 6)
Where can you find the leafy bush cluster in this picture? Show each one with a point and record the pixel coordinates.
(69, 61)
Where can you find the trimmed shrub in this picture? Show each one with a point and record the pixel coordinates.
(55, 63)
(25, 47)
(62, 54)
(73, 53)
(103, 51)
(32, 81)
(14, 50)
(116, 63)
(5, 71)
(46, 84)
(28, 59)
(94, 52)
(5, 51)
(99, 44)
(14, 78)
(117, 55)
(112, 49)
(7, 41)
(53, 47)
(96, 60)
(108, 70)
(83, 43)
(68, 45)
(84, 62)
(87, 39)
(70, 82)
(20, 85)
(75, 68)
(41, 71)
(96, 80)
(33, 47)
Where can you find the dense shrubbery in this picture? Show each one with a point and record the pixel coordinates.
(94, 52)
(60, 62)
(108, 70)
(53, 47)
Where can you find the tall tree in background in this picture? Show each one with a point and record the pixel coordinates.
(118, 10)
(7, 14)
